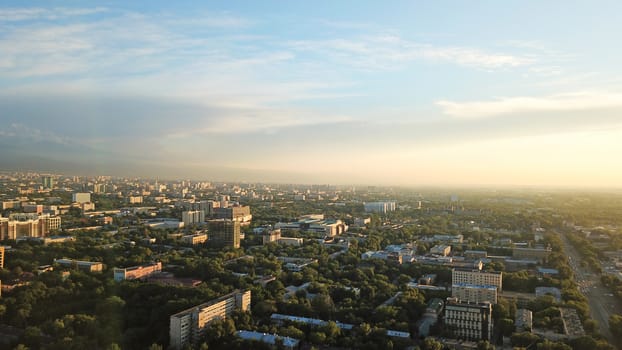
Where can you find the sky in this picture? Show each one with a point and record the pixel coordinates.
(410, 93)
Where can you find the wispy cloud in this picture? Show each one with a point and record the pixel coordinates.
(385, 51)
(26, 134)
(524, 104)
(25, 14)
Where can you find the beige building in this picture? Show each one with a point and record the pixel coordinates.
(290, 241)
(1, 256)
(270, 236)
(187, 327)
(474, 293)
(81, 197)
(136, 272)
(135, 199)
(441, 249)
(88, 266)
(477, 277)
(27, 225)
(194, 239)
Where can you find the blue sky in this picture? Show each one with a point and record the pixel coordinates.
(409, 93)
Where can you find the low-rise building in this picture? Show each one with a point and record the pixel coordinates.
(137, 272)
(475, 254)
(270, 236)
(290, 241)
(271, 339)
(539, 253)
(197, 238)
(88, 266)
(441, 249)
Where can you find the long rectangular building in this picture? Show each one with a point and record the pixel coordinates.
(474, 293)
(136, 272)
(27, 225)
(477, 277)
(187, 327)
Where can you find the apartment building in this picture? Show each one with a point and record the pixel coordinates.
(477, 277)
(187, 327)
(474, 293)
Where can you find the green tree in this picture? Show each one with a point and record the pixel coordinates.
(431, 344)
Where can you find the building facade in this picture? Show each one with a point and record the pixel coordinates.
(136, 272)
(225, 232)
(441, 249)
(477, 277)
(48, 182)
(187, 327)
(192, 217)
(474, 293)
(270, 236)
(28, 225)
(241, 213)
(539, 254)
(469, 321)
(198, 238)
(380, 207)
(88, 266)
(81, 197)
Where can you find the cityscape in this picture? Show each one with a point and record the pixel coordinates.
(107, 262)
(327, 175)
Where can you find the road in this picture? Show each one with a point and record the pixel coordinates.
(602, 303)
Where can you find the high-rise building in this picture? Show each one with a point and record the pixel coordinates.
(241, 213)
(225, 232)
(48, 182)
(470, 321)
(27, 225)
(380, 207)
(187, 327)
(192, 217)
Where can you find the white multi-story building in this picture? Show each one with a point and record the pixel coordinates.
(187, 327)
(470, 321)
(380, 207)
(477, 277)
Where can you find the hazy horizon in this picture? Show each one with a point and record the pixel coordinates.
(524, 94)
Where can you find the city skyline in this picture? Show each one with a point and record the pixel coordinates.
(406, 93)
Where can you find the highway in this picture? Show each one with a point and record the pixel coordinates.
(602, 303)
